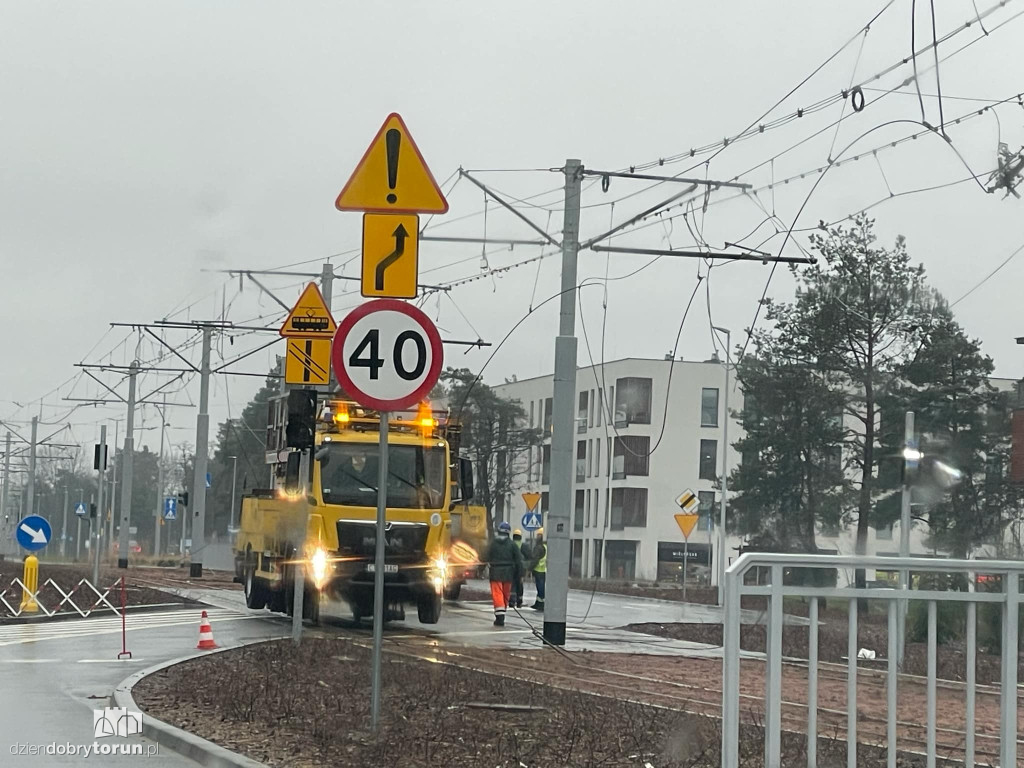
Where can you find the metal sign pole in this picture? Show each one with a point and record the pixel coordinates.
(686, 562)
(378, 569)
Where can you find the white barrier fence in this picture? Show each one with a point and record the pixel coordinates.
(1008, 601)
(101, 603)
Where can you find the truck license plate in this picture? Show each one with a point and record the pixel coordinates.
(388, 568)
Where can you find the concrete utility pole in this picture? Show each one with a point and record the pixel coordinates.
(64, 526)
(563, 417)
(127, 467)
(109, 544)
(234, 479)
(198, 498)
(722, 558)
(5, 491)
(31, 490)
(911, 459)
(78, 531)
(160, 483)
(97, 524)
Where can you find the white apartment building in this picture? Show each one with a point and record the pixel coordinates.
(660, 442)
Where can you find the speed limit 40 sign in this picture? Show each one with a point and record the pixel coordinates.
(387, 355)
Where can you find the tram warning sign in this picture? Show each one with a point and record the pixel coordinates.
(310, 317)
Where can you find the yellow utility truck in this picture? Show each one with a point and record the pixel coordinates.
(469, 543)
(321, 513)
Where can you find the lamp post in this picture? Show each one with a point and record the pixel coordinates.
(725, 472)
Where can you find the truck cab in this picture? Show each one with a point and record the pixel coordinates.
(322, 513)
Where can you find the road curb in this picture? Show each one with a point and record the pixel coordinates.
(184, 743)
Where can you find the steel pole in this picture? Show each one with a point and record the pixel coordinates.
(4, 492)
(234, 478)
(97, 524)
(905, 499)
(31, 490)
(198, 498)
(725, 474)
(158, 519)
(563, 418)
(127, 471)
(378, 569)
(64, 527)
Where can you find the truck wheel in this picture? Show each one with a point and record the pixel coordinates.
(255, 592)
(451, 592)
(429, 609)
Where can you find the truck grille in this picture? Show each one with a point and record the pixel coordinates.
(403, 542)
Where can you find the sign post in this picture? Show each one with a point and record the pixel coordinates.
(687, 521)
(387, 354)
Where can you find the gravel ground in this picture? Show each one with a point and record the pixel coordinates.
(310, 707)
(951, 661)
(138, 590)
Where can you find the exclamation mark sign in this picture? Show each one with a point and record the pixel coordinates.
(393, 140)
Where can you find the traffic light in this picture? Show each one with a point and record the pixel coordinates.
(92, 511)
(183, 498)
(300, 428)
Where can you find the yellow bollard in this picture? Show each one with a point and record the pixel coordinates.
(30, 579)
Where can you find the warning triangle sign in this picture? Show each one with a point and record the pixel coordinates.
(392, 176)
(310, 318)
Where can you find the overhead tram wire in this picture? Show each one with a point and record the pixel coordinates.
(717, 147)
(789, 231)
(990, 275)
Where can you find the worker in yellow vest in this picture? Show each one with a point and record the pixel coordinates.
(539, 566)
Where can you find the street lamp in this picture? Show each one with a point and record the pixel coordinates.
(725, 472)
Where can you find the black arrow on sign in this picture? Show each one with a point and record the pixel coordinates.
(400, 234)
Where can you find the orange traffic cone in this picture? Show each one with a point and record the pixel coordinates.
(205, 634)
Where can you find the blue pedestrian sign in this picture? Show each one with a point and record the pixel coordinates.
(80, 509)
(209, 480)
(170, 508)
(33, 533)
(531, 521)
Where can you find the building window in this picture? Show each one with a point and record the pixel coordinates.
(576, 558)
(545, 464)
(631, 456)
(581, 413)
(706, 510)
(549, 406)
(577, 516)
(629, 508)
(885, 533)
(596, 567)
(632, 401)
(581, 461)
(590, 411)
(600, 406)
(607, 507)
(531, 413)
(709, 407)
(589, 505)
(834, 459)
(609, 456)
(545, 501)
(597, 456)
(708, 459)
(590, 459)
(621, 559)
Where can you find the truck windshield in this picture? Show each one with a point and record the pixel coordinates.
(416, 475)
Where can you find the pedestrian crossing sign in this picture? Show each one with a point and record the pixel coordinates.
(531, 521)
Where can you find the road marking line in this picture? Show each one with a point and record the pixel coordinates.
(107, 661)
(31, 661)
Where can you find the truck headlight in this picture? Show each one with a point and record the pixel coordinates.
(318, 564)
(441, 564)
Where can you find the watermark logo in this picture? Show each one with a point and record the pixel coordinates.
(115, 721)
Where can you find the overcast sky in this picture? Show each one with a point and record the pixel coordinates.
(146, 146)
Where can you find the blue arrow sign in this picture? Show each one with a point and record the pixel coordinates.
(33, 533)
(170, 508)
(531, 521)
(80, 509)
(209, 479)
